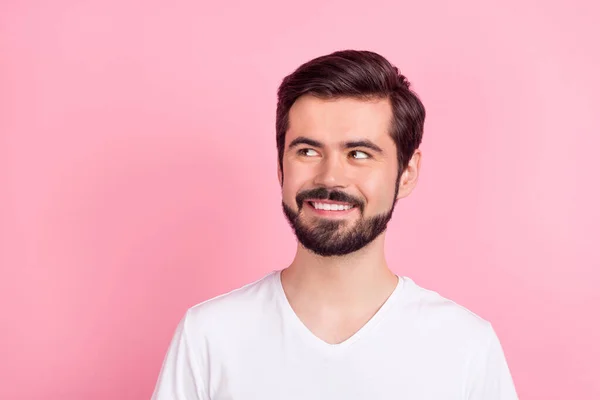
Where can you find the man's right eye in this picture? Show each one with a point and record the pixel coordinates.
(307, 152)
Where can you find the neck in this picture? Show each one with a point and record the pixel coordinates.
(348, 282)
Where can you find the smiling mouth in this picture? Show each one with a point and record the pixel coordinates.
(319, 205)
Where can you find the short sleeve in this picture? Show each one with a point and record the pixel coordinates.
(178, 377)
(489, 376)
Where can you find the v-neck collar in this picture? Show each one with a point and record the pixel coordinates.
(314, 340)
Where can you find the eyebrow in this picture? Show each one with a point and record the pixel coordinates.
(346, 145)
(304, 140)
(363, 143)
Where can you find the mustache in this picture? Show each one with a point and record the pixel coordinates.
(326, 194)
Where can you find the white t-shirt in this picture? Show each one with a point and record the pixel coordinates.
(249, 344)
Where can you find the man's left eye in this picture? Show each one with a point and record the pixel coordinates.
(357, 154)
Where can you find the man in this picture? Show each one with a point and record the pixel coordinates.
(337, 323)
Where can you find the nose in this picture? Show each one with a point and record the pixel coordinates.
(331, 173)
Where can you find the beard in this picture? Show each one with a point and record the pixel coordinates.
(328, 237)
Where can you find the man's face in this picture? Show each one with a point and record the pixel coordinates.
(340, 173)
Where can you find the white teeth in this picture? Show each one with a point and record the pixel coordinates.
(331, 207)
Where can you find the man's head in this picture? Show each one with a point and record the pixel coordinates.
(348, 132)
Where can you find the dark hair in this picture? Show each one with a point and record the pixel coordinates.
(357, 74)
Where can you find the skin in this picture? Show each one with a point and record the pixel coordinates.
(335, 296)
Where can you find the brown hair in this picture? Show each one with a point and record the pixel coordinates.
(361, 75)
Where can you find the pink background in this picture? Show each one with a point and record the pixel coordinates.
(138, 175)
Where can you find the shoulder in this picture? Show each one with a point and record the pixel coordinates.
(432, 313)
(453, 337)
(232, 310)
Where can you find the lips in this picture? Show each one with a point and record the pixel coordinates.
(328, 202)
(330, 206)
(329, 209)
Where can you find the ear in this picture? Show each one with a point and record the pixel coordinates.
(410, 175)
(279, 174)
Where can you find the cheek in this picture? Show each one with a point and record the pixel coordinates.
(378, 188)
(295, 179)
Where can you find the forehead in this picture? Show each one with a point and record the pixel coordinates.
(333, 120)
